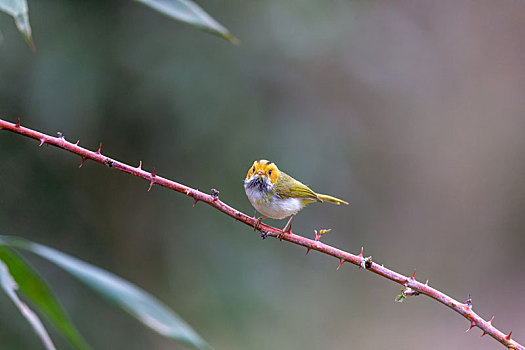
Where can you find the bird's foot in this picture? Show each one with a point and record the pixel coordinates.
(257, 226)
(285, 232)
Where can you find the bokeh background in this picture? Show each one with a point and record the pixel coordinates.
(412, 111)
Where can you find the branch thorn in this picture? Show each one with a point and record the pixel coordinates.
(341, 261)
(361, 254)
(78, 141)
(151, 182)
(490, 321)
(140, 165)
(413, 277)
(472, 325)
(195, 202)
(17, 123)
(483, 334)
(508, 335)
(83, 161)
(42, 141)
(99, 149)
(307, 251)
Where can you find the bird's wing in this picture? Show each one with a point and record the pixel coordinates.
(291, 188)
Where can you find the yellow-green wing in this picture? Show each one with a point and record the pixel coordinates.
(288, 187)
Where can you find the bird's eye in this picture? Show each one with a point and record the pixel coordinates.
(270, 173)
(253, 169)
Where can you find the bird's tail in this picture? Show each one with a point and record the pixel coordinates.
(327, 198)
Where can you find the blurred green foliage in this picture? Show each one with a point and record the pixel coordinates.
(411, 112)
(19, 11)
(189, 12)
(148, 310)
(36, 290)
(9, 286)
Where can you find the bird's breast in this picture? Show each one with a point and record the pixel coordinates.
(276, 207)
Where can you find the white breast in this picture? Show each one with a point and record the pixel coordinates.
(278, 208)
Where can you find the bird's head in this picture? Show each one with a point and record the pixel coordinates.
(262, 174)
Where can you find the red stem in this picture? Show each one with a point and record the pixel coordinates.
(413, 287)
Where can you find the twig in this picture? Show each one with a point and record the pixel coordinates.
(412, 286)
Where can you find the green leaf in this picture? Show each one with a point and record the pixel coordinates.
(324, 231)
(18, 10)
(9, 286)
(38, 292)
(400, 298)
(189, 12)
(147, 309)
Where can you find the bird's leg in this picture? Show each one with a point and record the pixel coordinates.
(288, 223)
(285, 226)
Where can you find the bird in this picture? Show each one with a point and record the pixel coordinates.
(277, 195)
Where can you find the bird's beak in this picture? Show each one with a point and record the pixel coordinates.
(260, 172)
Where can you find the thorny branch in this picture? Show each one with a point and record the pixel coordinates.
(412, 286)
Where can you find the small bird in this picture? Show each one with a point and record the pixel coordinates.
(277, 195)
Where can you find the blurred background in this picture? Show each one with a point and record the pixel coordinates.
(414, 112)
